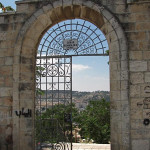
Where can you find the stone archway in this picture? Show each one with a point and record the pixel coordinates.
(25, 57)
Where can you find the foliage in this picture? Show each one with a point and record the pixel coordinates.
(7, 8)
(39, 74)
(95, 122)
(52, 121)
(107, 52)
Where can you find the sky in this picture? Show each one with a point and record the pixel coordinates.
(90, 73)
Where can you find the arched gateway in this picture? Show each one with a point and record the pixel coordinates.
(64, 40)
(54, 16)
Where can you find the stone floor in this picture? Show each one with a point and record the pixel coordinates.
(81, 146)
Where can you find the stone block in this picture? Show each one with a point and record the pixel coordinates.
(137, 36)
(124, 55)
(115, 105)
(124, 85)
(114, 23)
(27, 77)
(141, 17)
(140, 144)
(115, 85)
(5, 91)
(38, 13)
(138, 66)
(147, 77)
(6, 71)
(77, 2)
(45, 20)
(111, 37)
(124, 95)
(29, 42)
(9, 81)
(114, 47)
(47, 7)
(115, 95)
(136, 103)
(3, 36)
(145, 90)
(8, 60)
(2, 61)
(136, 124)
(124, 65)
(134, 45)
(76, 11)
(106, 29)
(124, 75)
(136, 114)
(2, 20)
(114, 65)
(148, 65)
(129, 26)
(135, 91)
(67, 2)
(145, 26)
(2, 81)
(27, 94)
(114, 56)
(68, 12)
(57, 3)
(22, 7)
(136, 78)
(115, 75)
(135, 55)
(26, 68)
(143, 45)
(146, 55)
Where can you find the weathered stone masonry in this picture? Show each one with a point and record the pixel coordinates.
(126, 25)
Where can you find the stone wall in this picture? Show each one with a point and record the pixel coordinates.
(127, 29)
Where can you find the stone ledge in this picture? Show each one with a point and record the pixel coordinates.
(83, 146)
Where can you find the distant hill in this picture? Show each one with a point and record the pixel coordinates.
(81, 99)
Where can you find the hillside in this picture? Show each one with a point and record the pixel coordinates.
(81, 99)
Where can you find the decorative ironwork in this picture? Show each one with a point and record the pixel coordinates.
(73, 37)
(54, 103)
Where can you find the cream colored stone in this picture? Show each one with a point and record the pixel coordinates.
(138, 66)
(140, 144)
(137, 78)
(147, 77)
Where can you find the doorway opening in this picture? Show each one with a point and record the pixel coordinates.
(53, 106)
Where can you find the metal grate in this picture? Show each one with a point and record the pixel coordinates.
(73, 37)
(53, 103)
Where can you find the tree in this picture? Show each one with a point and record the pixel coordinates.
(7, 8)
(94, 121)
(51, 125)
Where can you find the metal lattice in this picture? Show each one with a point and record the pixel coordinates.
(84, 39)
(53, 105)
(54, 94)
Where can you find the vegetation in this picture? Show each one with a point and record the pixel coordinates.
(94, 122)
(7, 8)
(54, 123)
(39, 74)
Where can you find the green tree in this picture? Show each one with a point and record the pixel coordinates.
(51, 125)
(94, 121)
(7, 8)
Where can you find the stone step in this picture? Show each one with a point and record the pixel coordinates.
(83, 146)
